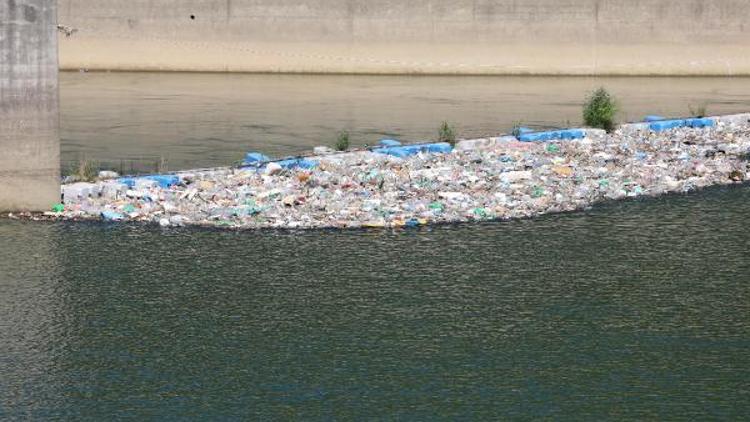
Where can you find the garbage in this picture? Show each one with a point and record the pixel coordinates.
(323, 150)
(293, 163)
(164, 180)
(78, 191)
(255, 159)
(554, 135)
(662, 125)
(415, 185)
(389, 143)
(106, 174)
(409, 150)
(273, 169)
(112, 216)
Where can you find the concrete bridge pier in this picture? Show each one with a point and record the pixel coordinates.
(29, 120)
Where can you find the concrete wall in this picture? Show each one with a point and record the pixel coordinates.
(29, 142)
(647, 37)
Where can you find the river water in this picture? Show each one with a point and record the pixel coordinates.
(203, 120)
(631, 310)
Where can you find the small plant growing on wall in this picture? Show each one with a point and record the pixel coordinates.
(446, 133)
(599, 110)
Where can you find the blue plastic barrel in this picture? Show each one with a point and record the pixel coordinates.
(700, 122)
(666, 125)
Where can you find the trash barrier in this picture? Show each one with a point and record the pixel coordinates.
(410, 150)
(700, 122)
(389, 143)
(294, 163)
(163, 180)
(255, 159)
(554, 135)
(490, 179)
(662, 125)
(666, 125)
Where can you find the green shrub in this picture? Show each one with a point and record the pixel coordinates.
(599, 110)
(342, 142)
(447, 134)
(700, 111)
(516, 131)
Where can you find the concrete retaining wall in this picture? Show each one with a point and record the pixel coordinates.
(586, 37)
(29, 143)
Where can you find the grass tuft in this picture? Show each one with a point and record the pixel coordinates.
(446, 133)
(700, 110)
(84, 170)
(342, 142)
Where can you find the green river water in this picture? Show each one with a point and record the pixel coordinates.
(631, 310)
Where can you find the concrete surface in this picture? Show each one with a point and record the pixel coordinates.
(29, 142)
(578, 37)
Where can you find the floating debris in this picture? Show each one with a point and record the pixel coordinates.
(409, 186)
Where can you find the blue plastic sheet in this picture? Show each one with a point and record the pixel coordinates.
(653, 118)
(523, 130)
(255, 159)
(389, 143)
(439, 148)
(164, 180)
(127, 181)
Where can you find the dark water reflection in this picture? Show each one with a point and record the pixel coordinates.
(199, 120)
(633, 310)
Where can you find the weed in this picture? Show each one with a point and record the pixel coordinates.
(84, 170)
(699, 111)
(599, 110)
(446, 133)
(342, 142)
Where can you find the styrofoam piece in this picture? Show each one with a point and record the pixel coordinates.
(483, 143)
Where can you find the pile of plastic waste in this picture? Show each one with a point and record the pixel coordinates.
(428, 185)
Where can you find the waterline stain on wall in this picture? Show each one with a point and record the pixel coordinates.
(570, 37)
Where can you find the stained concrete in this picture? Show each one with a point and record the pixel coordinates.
(29, 140)
(557, 37)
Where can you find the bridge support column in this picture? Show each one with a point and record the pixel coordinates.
(29, 120)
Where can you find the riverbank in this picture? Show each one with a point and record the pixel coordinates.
(490, 179)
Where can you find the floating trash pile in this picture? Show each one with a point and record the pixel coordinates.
(406, 186)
